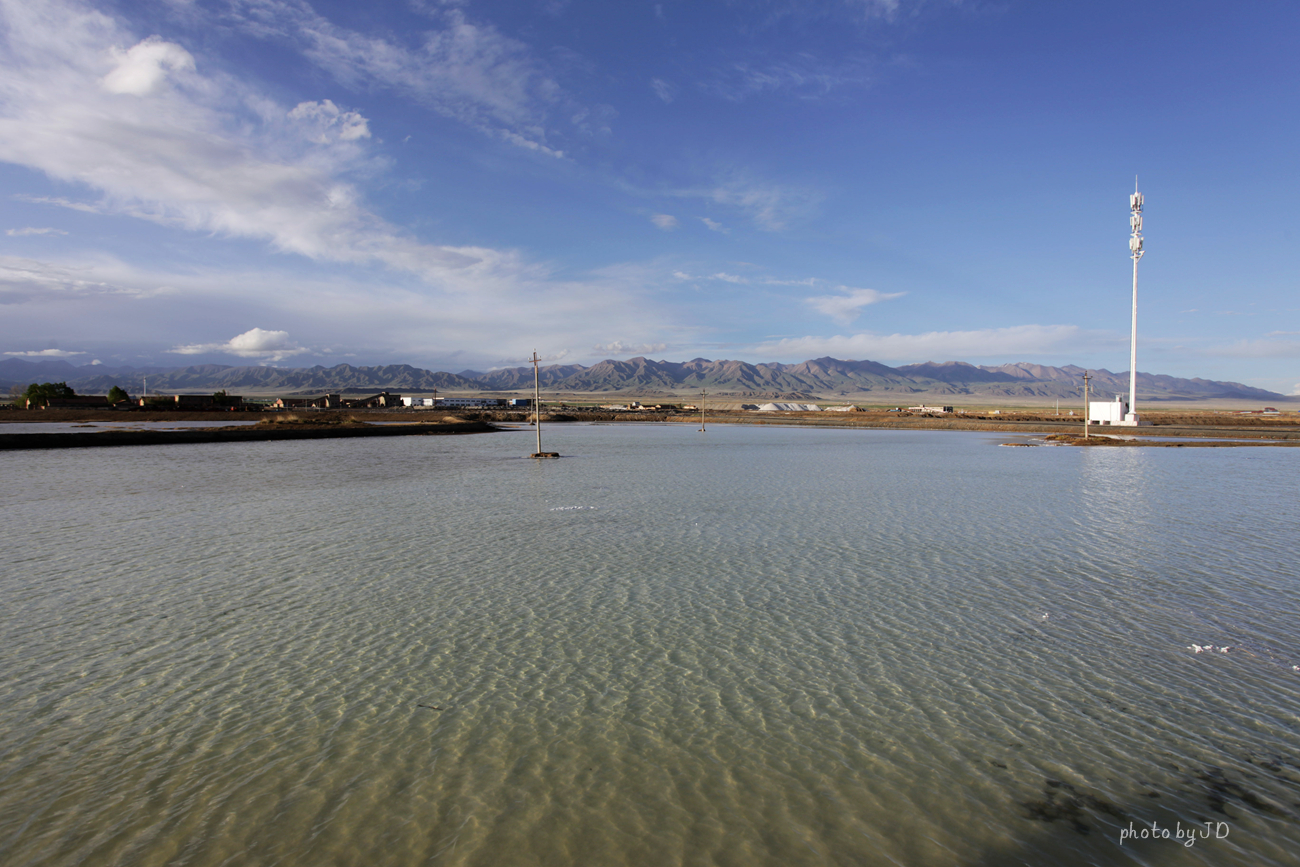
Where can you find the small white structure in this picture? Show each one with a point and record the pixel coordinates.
(1108, 411)
(418, 401)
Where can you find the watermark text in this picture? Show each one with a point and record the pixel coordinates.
(1186, 835)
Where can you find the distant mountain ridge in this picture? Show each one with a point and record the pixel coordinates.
(826, 376)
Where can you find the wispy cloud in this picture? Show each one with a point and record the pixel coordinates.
(463, 69)
(552, 356)
(803, 76)
(46, 353)
(28, 280)
(714, 226)
(33, 230)
(772, 207)
(667, 222)
(846, 306)
(663, 89)
(932, 345)
(60, 202)
(617, 347)
(254, 343)
(1276, 345)
(720, 275)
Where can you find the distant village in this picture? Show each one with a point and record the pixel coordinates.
(59, 396)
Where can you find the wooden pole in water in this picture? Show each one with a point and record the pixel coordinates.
(537, 404)
(537, 412)
(1087, 408)
(703, 394)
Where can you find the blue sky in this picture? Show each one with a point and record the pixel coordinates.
(453, 184)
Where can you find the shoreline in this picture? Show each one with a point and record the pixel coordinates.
(1187, 430)
(250, 433)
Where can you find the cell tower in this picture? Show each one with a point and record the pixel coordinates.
(1135, 249)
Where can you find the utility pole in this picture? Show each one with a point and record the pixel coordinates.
(703, 393)
(1135, 202)
(537, 404)
(1087, 410)
(537, 413)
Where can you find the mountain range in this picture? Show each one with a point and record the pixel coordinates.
(819, 376)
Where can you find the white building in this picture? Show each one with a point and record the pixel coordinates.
(1108, 411)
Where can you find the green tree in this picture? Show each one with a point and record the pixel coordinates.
(117, 395)
(39, 395)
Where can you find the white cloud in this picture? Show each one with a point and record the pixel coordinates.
(663, 89)
(143, 68)
(846, 307)
(667, 222)
(906, 348)
(1295, 392)
(46, 353)
(396, 316)
(32, 230)
(715, 226)
(327, 123)
(617, 347)
(203, 152)
(195, 156)
(254, 343)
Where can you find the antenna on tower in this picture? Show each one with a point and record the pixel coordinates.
(1135, 203)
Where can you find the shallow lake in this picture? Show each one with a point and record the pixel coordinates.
(752, 646)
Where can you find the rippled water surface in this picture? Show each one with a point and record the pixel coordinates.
(755, 646)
